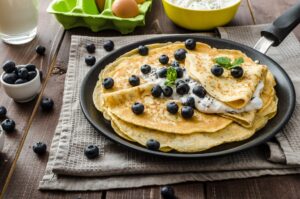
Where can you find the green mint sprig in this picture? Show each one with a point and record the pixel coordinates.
(227, 63)
(171, 76)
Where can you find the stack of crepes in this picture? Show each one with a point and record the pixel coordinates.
(172, 131)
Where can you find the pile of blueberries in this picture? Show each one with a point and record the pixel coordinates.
(90, 60)
(18, 75)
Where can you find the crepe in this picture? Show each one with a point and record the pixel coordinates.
(156, 115)
(235, 92)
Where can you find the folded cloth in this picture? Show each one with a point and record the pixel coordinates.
(118, 167)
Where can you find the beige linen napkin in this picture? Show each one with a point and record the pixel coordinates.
(117, 167)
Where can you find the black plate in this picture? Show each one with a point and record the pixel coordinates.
(285, 92)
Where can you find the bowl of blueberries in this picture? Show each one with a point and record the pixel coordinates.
(20, 82)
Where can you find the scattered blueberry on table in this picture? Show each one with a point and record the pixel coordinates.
(143, 50)
(190, 44)
(163, 59)
(91, 151)
(108, 45)
(40, 50)
(39, 148)
(90, 60)
(180, 54)
(167, 192)
(134, 80)
(8, 125)
(90, 47)
(108, 83)
(187, 112)
(153, 145)
(172, 107)
(47, 104)
(3, 112)
(217, 70)
(156, 91)
(137, 108)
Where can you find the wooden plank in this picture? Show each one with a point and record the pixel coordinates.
(268, 11)
(268, 187)
(187, 191)
(21, 112)
(243, 16)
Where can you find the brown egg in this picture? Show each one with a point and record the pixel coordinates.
(140, 1)
(100, 5)
(125, 8)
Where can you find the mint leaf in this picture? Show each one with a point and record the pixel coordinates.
(171, 76)
(238, 61)
(223, 61)
(227, 63)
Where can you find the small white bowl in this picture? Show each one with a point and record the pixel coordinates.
(1, 139)
(23, 92)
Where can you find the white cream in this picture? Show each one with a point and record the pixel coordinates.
(204, 4)
(208, 104)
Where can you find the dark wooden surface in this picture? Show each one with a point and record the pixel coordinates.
(21, 170)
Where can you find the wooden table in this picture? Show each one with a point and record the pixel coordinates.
(21, 170)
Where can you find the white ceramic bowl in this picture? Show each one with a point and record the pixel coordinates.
(1, 139)
(23, 92)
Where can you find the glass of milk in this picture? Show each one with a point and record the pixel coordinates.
(18, 20)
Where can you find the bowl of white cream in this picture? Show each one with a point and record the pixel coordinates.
(201, 14)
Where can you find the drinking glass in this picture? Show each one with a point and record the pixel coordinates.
(18, 20)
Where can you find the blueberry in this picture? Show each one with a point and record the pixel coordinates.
(21, 81)
(156, 91)
(91, 151)
(167, 91)
(134, 80)
(175, 64)
(190, 44)
(47, 104)
(108, 83)
(172, 107)
(137, 108)
(180, 54)
(182, 89)
(145, 69)
(8, 125)
(167, 192)
(153, 145)
(31, 75)
(237, 72)
(217, 70)
(199, 91)
(108, 45)
(143, 50)
(9, 66)
(189, 101)
(179, 72)
(179, 82)
(90, 47)
(162, 72)
(30, 67)
(40, 50)
(39, 148)
(22, 73)
(3, 111)
(90, 60)
(187, 112)
(163, 59)
(10, 78)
